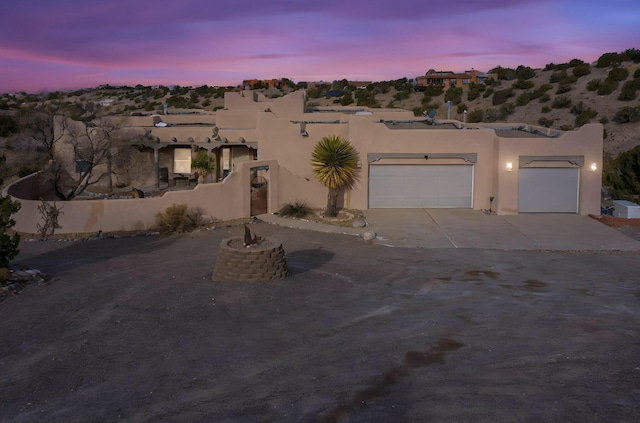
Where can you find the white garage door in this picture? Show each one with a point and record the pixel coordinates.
(420, 186)
(548, 190)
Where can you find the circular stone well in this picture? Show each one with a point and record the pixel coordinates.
(237, 263)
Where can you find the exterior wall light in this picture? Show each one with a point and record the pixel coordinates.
(509, 166)
(593, 167)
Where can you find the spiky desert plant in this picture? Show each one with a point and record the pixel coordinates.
(334, 162)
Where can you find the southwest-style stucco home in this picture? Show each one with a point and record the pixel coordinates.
(264, 146)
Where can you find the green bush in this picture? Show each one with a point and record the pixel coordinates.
(544, 98)
(546, 109)
(583, 114)
(299, 209)
(563, 88)
(581, 70)
(453, 94)
(618, 74)
(628, 91)
(561, 102)
(607, 87)
(604, 120)
(179, 218)
(523, 99)
(8, 243)
(501, 96)
(608, 59)
(594, 84)
(473, 94)
(487, 92)
(433, 91)
(505, 110)
(636, 74)
(524, 73)
(523, 84)
(461, 108)
(622, 175)
(627, 114)
(491, 115)
(475, 116)
(557, 76)
(8, 126)
(546, 122)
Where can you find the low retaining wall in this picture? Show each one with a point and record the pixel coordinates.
(237, 263)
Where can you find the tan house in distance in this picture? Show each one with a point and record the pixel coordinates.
(265, 146)
(447, 79)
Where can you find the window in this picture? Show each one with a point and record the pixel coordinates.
(182, 160)
(466, 81)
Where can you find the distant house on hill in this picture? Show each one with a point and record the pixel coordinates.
(447, 79)
(263, 83)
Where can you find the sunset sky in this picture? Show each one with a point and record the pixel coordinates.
(65, 44)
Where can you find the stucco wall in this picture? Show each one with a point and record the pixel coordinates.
(229, 199)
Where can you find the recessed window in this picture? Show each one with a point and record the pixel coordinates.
(182, 160)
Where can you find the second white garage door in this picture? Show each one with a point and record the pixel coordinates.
(548, 190)
(420, 186)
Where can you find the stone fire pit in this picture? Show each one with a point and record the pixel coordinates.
(237, 262)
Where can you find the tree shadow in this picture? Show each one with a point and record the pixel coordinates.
(301, 261)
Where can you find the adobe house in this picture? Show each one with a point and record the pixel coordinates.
(265, 146)
(447, 79)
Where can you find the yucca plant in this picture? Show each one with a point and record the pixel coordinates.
(334, 162)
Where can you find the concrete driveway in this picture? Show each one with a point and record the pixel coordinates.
(463, 228)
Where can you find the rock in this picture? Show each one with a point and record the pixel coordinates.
(369, 236)
(359, 223)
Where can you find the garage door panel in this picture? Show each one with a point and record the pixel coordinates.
(548, 190)
(420, 186)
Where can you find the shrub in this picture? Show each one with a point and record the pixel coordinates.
(473, 94)
(581, 70)
(628, 91)
(563, 88)
(618, 74)
(487, 92)
(433, 91)
(607, 87)
(179, 218)
(8, 126)
(297, 209)
(525, 72)
(566, 127)
(604, 120)
(8, 243)
(523, 99)
(546, 109)
(505, 110)
(523, 84)
(636, 74)
(627, 114)
(583, 114)
(491, 115)
(622, 174)
(594, 84)
(557, 76)
(475, 116)
(544, 98)
(453, 94)
(546, 122)
(461, 108)
(501, 96)
(608, 59)
(561, 102)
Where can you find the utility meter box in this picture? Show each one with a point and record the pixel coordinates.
(626, 209)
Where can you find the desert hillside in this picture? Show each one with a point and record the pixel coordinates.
(562, 96)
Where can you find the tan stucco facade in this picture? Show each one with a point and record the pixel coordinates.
(284, 134)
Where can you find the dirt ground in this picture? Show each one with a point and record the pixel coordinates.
(133, 330)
